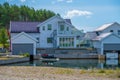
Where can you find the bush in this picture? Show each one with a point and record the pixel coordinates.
(25, 54)
(101, 71)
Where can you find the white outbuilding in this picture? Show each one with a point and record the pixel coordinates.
(23, 43)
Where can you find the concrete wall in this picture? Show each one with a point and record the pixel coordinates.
(70, 53)
(15, 60)
(63, 51)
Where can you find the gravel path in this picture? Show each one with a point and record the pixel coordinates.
(47, 73)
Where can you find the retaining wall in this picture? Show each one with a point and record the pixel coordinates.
(15, 60)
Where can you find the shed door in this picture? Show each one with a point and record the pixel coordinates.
(22, 48)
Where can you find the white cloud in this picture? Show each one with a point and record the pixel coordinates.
(74, 13)
(22, 0)
(67, 1)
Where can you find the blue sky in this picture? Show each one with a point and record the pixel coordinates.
(84, 14)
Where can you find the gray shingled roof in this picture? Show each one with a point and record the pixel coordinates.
(24, 27)
(30, 27)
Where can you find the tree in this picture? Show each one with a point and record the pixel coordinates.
(21, 13)
(3, 37)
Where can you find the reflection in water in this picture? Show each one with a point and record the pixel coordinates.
(78, 63)
(112, 62)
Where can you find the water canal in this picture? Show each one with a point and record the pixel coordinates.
(74, 63)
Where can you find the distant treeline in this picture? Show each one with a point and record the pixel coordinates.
(21, 13)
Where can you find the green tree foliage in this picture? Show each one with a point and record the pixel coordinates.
(3, 37)
(21, 13)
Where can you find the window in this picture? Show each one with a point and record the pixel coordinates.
(61, 27)
(67, 28)
(49, 27)
(60, 39)
(37, 39)
(97, 33)
(49, 40)
(118, 32)
(111, 30)
(43, 28)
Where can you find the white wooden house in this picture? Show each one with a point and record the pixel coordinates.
(55, 32)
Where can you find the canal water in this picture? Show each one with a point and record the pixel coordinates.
(74, 63)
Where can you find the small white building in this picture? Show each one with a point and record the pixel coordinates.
(107, 38)
(55, 32)
(27, 45)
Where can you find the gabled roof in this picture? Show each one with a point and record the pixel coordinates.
(67, 21)
(103, 27)
(23, 33)
(28, 27)
(102, 36)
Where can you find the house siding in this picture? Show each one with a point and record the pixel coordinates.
(114, 27)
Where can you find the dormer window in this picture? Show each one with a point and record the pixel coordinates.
(111, 30)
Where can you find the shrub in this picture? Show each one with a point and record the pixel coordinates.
(25, 54)
(101, 71)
